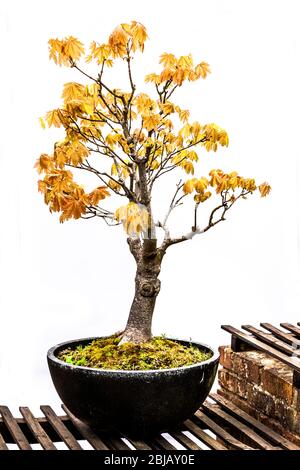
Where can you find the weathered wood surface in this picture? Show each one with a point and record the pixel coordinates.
(217, 425)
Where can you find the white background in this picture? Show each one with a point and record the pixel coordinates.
(75, 280)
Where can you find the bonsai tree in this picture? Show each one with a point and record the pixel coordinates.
(128, 140)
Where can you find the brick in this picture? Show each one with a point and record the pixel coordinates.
(257, 401)
(263, 387)
(239, 402)
(247, 366)
(233, 383)
(280, 429)
(261, 401)
(278, 382)
(225, 357)
(274, 407)
(260, 369)
(296, 398)
(287, 416)
(275, 424)
(291, 436)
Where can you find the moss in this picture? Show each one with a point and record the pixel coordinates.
(158, 353)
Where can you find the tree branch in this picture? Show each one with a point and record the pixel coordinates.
(164, 169)
(172, 206)
(226, 205)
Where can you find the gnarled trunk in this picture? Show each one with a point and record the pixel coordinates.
(147, 287)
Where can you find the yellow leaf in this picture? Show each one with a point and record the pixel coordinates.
(189, 186)
(54, 118)
(77, 152)
(88, 106)
(264, 189)
(248, 184)
(118, 41)
(188, 167)
(134, 218)
(152, 77)
(192, 155)
(185, 61)
(42, 186)
(114, 185)
(216, 177)
(168, 107)
(178, 77)
(98, 194)
(196, 130)
(72, 207)
(60, 156)
(185, 131)
(202, 69)
(167, 60)
(202, 197)
(192, 76)
(42, 123)
(151, 122)
(234, 179)
(44, 163)
(201, 185)
(73, 48)
(139, 35)
(111, 140)
(154, 165)
(166, 74)
(145, 105)
(184, 115)
(56, 52)
(72, 91)
(223, 138)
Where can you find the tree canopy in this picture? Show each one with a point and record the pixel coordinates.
(129, 140)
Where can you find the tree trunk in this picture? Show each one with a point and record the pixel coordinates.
(147, 287)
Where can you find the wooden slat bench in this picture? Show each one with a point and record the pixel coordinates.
(261, 375)
(217, 425)
(283, 345)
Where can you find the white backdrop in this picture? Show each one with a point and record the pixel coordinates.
(74, 280)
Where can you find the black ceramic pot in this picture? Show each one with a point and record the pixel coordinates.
(135, 403)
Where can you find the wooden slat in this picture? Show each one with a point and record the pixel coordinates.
(242, 428)
(14, 429)
(60, 428)
(44, 424)
(163, 443)
(115, 443)
(153, 445)
(290, 361)
(210, 416)
(287, 337)
(269, 339)
(224, 435)
(86, 432)
(292, 328)
(203, 436)
(139, 445)
(185, 441)
(3, 445)
(36, 429)
(268, 433)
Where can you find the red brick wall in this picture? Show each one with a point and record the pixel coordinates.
(262, 387)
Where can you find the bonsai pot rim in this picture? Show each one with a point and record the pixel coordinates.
(55, 349)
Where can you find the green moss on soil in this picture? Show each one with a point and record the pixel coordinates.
(158, 353)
